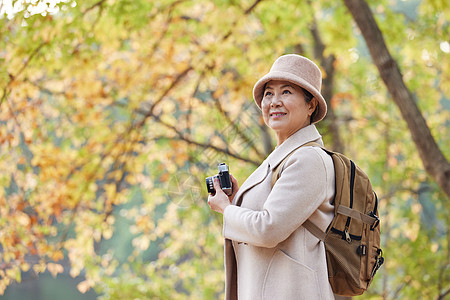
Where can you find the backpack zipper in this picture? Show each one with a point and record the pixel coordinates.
(346, 235)
(342, 234)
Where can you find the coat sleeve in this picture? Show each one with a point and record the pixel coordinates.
(299, 191)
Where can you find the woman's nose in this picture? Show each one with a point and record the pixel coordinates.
(275, 102)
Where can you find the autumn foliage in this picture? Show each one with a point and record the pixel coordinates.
(112, 113)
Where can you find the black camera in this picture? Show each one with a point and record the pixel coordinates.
(224, 180)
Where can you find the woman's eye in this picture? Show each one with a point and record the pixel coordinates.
(287, 92)
(267, 94)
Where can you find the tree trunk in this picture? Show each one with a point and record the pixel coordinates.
(327, 63)
(432, 157)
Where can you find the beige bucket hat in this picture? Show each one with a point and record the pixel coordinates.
(300, 71)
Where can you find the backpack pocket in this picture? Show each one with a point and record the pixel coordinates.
(344, 265)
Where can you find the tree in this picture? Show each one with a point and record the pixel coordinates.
(432, 157)
(113, 113)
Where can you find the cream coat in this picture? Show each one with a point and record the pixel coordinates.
(268, 253)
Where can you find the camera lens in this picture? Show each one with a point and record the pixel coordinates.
(210, 185)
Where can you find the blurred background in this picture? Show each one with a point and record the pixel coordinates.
(112, 113)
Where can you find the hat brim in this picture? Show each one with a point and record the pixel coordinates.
(258, 90)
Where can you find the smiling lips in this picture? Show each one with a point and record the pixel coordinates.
(277, 114)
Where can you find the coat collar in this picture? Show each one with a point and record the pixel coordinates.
(302, 136)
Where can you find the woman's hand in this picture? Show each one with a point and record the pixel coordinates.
(219, 201)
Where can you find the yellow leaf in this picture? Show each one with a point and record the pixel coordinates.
(434, 247)
(142, 242)
(23, 219)
(55, 269)
(58, 255)
(219, 92)
(39, 268)
(83, 286)
(25, 267)
(110, 190)
(107, 233)
(180, 67)
(74, 271)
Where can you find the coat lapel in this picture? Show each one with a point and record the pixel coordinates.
(255, 178)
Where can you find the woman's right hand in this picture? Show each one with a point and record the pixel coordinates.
(219, 201)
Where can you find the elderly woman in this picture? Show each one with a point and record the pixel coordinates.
(268, 253)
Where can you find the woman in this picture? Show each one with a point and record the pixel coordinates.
(268, 253)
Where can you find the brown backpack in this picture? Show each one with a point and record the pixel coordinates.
(352, 240)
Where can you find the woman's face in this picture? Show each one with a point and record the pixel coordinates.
(284, 108)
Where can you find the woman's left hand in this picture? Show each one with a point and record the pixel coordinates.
(219, 201)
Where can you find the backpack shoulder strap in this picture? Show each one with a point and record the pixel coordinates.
(316, 231)
(277, 171)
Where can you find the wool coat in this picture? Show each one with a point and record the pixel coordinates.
(268, 253)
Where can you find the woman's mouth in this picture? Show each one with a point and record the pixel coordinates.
(277, 114)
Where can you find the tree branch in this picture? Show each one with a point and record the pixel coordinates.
(188, 140)
(24, 66)
(166, 91)
(443, 295)
(252, 7)
(432, 157)
(99, 3)
(247, 140)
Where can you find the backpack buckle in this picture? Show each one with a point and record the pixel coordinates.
(361, 250)
(379, 260)
(377, 220)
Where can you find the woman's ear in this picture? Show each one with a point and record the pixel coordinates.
(312, 105)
